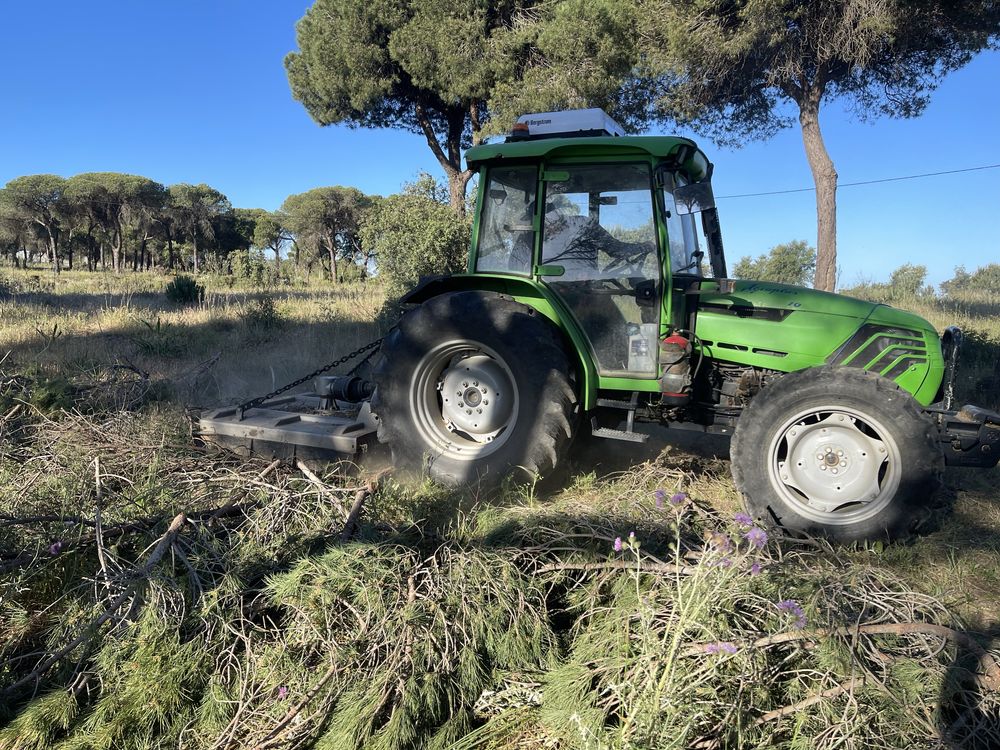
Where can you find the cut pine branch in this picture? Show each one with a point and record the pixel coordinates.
(154, 558)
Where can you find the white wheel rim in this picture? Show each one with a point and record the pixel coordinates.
(834, 465)
(464, 400)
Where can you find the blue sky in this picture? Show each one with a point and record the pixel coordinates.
(195, 91)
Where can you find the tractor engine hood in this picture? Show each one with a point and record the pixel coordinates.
(785, 328)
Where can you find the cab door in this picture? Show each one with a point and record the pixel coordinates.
(599, 251)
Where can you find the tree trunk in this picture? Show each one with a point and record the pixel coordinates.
(53, 251)
(458, 182)
(194, 244)
(450, 157)
(170, 250)
(116, 252)
(825, 178)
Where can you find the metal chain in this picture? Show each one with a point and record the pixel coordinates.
(346, 358)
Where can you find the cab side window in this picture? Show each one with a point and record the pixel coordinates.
(506, 225)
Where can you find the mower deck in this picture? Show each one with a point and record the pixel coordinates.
(293, 426)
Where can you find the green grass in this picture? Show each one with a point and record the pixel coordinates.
(450, 620)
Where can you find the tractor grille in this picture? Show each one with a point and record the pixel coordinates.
(887, 350)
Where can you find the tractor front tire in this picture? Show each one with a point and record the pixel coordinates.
(837, 452)
(473, 387)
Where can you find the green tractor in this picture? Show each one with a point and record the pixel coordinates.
(596, 298)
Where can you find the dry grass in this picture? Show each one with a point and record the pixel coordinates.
(108, 343)
(234, 344)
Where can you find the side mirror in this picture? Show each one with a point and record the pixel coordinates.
(690, 199)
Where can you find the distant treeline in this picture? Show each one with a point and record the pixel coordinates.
(120, 222)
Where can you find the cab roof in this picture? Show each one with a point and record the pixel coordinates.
(659, 146)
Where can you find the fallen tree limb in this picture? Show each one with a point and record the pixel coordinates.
(649, 567)
(108, 533)
(844, 687)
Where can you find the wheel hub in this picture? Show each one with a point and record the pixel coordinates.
(830, 462)
(475, 397)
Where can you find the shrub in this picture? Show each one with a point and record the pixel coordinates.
(790, 263)
(414, 236)
(984, 279)
(184, 290)
(905, 285)
(261, 315)
(251, 266)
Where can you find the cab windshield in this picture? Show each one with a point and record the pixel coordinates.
(692, 227)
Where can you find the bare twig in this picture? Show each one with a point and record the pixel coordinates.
(275, 736)
(320, 485)
(844, 687)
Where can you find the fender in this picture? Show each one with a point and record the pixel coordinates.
(528, 292)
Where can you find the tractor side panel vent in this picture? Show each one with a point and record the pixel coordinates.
(887, 350)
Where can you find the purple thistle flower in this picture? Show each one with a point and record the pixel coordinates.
(720, 647)
(631, 536)
(618, 544)
(725, 562)
(55, 548)
(755, 569)
(660, 496)
(743, 519)
(793, 608)
(677, 498)
(282, 692)
(757, 537)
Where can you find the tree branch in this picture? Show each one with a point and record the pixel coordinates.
(844, 687)
(648, 567)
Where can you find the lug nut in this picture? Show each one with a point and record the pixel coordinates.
(461, 405)
(485, 402)
(469, 411)
(484, 389)
(819, 456)
(843, 463)
(829, 449)
(833, 470)
(822, 467)
(840, 453)
(479, 411)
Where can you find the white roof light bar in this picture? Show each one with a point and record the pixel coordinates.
(568, 123)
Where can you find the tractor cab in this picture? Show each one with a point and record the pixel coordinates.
(606, 222)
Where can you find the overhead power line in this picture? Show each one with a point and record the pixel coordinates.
(864, 182)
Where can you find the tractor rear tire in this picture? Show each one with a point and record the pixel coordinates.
(473, 387)
(837, 452)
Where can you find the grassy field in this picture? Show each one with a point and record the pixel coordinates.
(154, 594)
